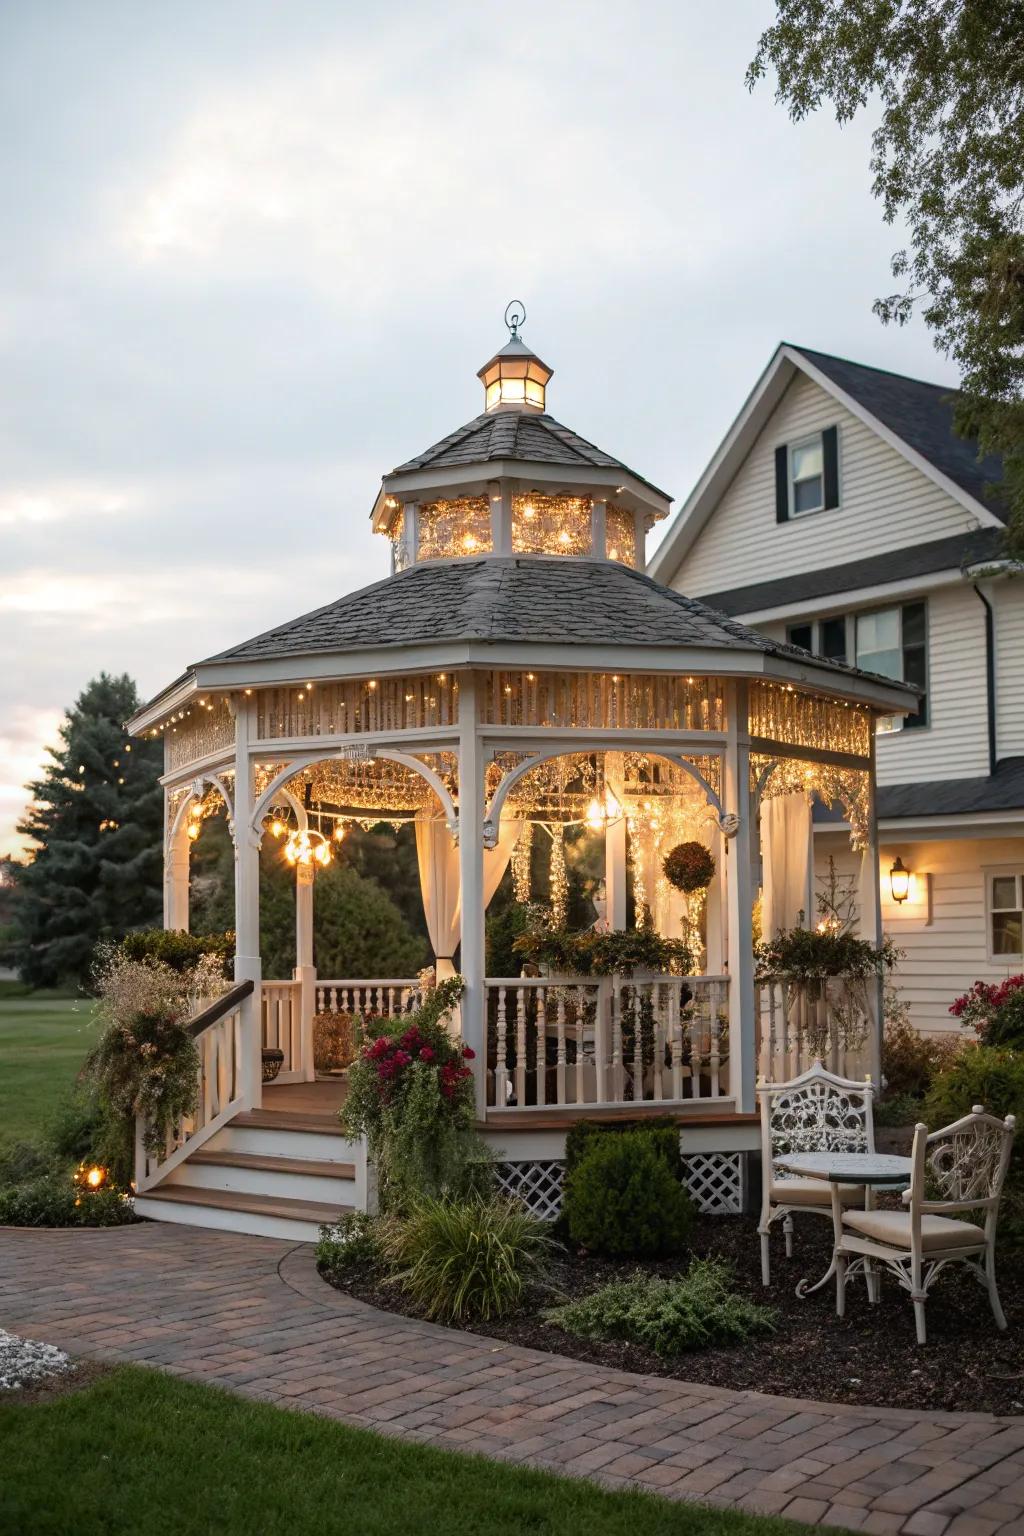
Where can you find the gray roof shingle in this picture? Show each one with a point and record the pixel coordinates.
(505, 598)
(874, 570)
(999, 791)
(922, 415)
(522, 435)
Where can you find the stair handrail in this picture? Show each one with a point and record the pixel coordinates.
(218, 1033)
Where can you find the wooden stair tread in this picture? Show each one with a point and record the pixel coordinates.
(254, 1205)
(284, 1120)
(268, 1163)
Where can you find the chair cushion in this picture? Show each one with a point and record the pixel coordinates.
(797, 1191)
(893, 1227)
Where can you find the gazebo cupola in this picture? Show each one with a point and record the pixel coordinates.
(514, 481)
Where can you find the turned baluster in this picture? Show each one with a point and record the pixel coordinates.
(500, 1063)
(521, 1046)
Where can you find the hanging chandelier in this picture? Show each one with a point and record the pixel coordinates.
(306, 847)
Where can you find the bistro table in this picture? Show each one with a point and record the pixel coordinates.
(837, 1168)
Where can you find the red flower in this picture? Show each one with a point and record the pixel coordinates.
(468, 1054)
(426, 1054)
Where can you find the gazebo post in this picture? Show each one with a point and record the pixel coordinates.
(176, 872)
(248, 965)
(471, 877)
(305, 971)
(615, 846)
(740, 900)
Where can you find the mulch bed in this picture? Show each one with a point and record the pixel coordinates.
(868, 1358)
(83, 1373)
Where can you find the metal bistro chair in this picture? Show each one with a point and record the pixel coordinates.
(815, 1112)
(960, 1168)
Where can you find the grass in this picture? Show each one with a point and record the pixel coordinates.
(137, 1451)
(43, 1040)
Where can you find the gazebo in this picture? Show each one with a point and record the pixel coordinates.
(518, 677)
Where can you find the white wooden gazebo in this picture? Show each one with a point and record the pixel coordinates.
(517, 674)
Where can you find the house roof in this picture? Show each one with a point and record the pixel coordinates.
(873, 571)
(921, 415)
(527, 436)
(525, 600)
(999, 791)
(914, 417)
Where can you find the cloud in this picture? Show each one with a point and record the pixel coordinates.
(21, 758)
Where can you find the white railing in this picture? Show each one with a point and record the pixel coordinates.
(800, 1022)
(566, 1041)
(384, 998)
(217, 1032)
(281, 1024)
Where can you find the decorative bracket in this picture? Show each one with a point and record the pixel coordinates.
(728, 823)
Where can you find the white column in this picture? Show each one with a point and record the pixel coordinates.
(871, 922)
(305, 971)
(739, 901)
(176, 865)
(471, 878)
(615, 845)
(714, 909)
(640, 534)
(598, 528)
(247, 902)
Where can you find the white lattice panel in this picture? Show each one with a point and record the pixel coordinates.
(715, 1182)
(538, 1185)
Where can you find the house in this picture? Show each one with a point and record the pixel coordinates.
(842, 513)
(515, 679)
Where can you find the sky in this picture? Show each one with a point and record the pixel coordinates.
(252, 255)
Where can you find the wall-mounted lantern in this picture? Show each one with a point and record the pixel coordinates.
(899, 881)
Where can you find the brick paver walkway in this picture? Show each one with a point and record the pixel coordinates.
(251, 1314)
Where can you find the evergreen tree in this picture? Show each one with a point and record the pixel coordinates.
(96, 819)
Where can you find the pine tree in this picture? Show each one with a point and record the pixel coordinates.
(96, 818)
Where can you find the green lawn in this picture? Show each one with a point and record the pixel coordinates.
(140, 1452)
(42, 1043)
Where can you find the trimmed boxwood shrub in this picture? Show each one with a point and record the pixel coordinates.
(622, 1198)
(663, 1132)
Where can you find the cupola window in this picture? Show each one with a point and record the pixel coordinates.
(620, 535)
(461, 526)
(552, 525)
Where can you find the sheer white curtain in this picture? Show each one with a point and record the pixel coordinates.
(438, 859)
(786, 854)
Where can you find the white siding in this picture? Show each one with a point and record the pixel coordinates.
(886, 504)
(943, 959)
(1008, 603)
(954, 745)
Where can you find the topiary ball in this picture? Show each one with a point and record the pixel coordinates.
(689, 867)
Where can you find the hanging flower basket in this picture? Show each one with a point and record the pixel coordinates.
(273, 1060)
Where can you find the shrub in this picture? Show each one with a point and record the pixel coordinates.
(466, 1260)
(179, 950)
(910, 1061)
(663, 1133)
(689, 867)
(334, 1041)
(53, 1201)
(811, 954)
(351, 1242)
(623, 1199)
(995, 1013)
(410, 1093)
(898, 1109)
(616, 953)
(668, 1317)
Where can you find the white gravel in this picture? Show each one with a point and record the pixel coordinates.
(26, 1361)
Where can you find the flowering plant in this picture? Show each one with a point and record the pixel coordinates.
(994, 1012)
(410, 1093)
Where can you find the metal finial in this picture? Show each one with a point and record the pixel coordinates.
(515, 316)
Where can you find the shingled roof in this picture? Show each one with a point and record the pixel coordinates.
(505, 598)
(922, 415)
(518, 435)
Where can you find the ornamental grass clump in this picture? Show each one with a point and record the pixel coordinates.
(410, 1093)
(668, 1317)
(624, 1199)
(466, 1260)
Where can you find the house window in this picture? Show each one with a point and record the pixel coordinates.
(806, 476)
(824, 637)
(894, 643)
(1006, 916)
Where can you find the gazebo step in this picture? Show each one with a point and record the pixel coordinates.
(232, 1211)
(284, 1120)
(270, 1164)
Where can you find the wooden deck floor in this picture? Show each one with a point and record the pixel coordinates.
(324, 1097)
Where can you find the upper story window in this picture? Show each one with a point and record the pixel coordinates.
(1006, 916)
(807, 475)
(824, 637)
(894, 643)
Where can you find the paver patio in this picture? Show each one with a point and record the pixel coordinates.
(251, 1314)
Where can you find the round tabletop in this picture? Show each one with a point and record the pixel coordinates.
(848, 1167)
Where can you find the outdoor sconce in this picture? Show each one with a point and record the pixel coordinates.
(899, 881)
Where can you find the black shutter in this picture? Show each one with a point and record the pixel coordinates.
(830, 456)
(782, 484)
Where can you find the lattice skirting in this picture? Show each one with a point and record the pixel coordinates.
(715, 1181)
